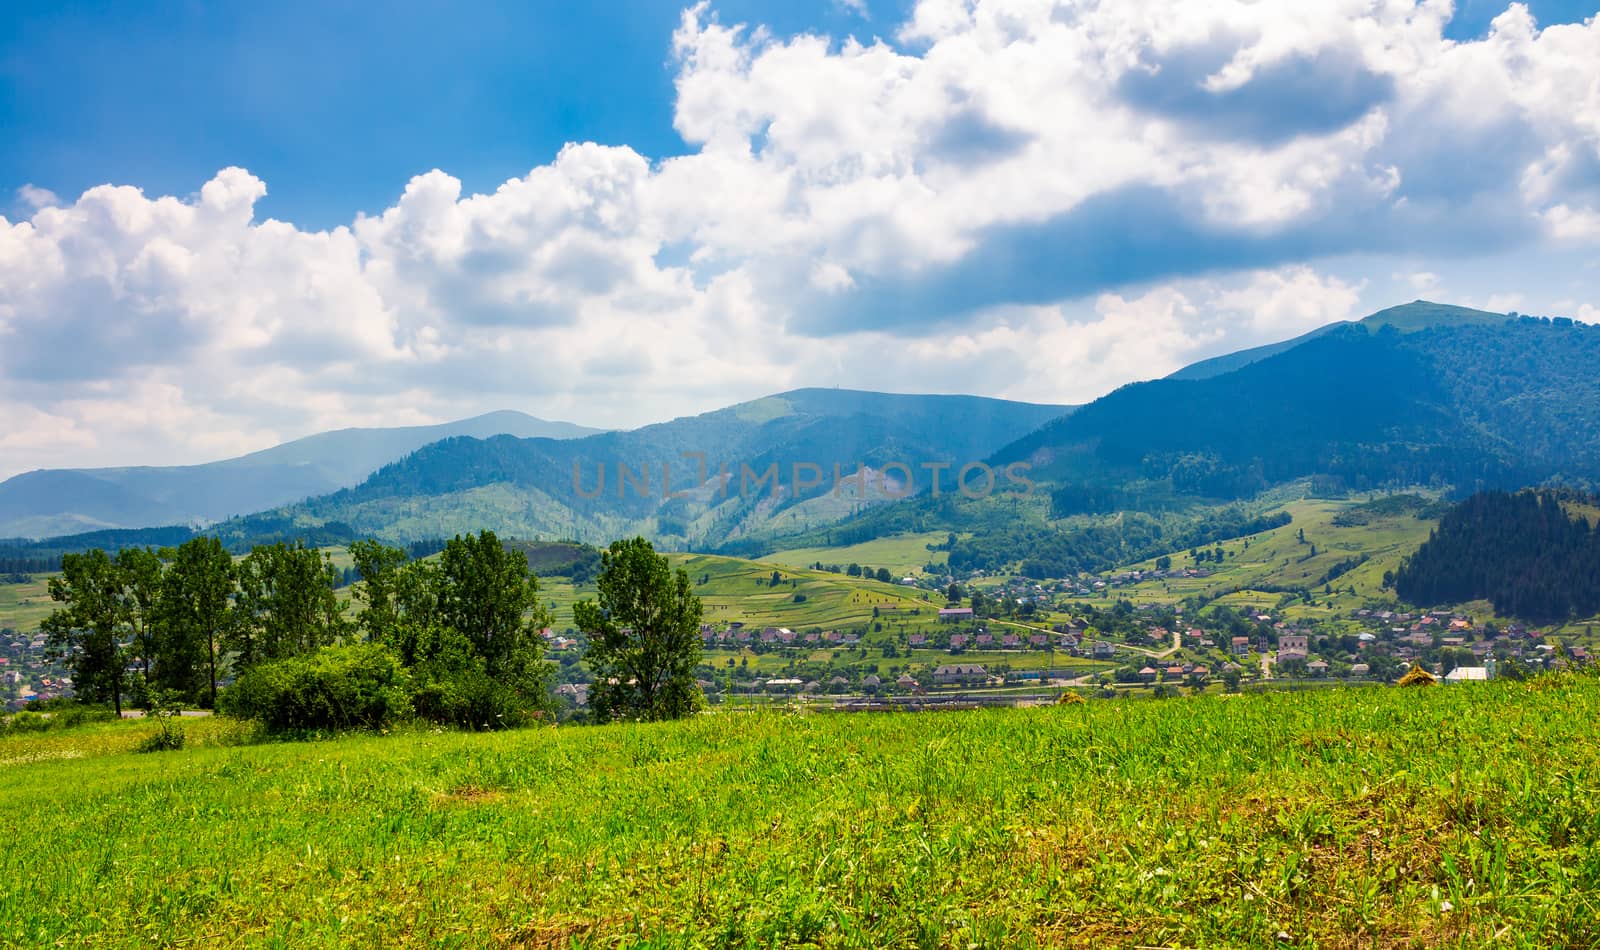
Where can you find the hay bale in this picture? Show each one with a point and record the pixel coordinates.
(1069, 698)
(1417, 676)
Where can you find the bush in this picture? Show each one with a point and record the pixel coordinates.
(345, 687)
(165, 708)
(470, 698)
(27, 721)
(79, 715)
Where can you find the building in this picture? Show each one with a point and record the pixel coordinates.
(954, 614)
(1293, 644)
(960, 673)
(1467, 674)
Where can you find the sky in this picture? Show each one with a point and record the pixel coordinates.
(227, 225)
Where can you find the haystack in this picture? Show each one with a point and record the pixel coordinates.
(1069, 698)
(1417, 676)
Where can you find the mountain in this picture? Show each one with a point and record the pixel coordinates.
(1417, 315)
(1421, 394)
(1404, 397)
(769, 464)
(53, 502)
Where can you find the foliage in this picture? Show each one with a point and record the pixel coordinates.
(164, 709)
(286, 603)
(644, 636)
(88, 631)
(1523, 552)
(360, 686)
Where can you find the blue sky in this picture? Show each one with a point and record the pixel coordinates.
(643, 208)
(339, 107)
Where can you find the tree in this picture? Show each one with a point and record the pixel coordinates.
(1164, 563)
(644, 636)
(884, 575)
(88, 630)
(379, 568)
(196, 618)
(953, 593)
(488, 595)
(287, 603)
(141, 578)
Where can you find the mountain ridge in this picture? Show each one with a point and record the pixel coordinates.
(51, 502)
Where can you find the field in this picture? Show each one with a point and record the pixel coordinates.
(1337, 818)
(24, 606)
(902, 554)
(1278, 558)
(736, 589)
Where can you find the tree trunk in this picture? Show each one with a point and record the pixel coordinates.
(211, 640)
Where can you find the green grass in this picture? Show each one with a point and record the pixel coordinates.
(737, 589)
(902, 554)
(1341, 818)
(1277, 558)
(24, 606)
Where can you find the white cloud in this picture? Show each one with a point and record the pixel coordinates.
(1011, 196)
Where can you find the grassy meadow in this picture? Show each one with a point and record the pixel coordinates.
(1383, 817)
(1278, 558)
(902, 554)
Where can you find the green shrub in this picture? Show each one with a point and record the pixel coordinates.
(466, 696)
(336, 688)
(79, 715)
(27, 721)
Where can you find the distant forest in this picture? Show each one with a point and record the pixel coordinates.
(1524, 552)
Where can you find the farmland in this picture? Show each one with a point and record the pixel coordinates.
(1336, 818)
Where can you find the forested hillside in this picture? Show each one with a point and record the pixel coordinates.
(696, 481)
(1507, 404)
(1526, 553)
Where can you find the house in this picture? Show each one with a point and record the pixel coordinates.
(1317, 668)
(1360, 669)
(1102, 649)
(1293, 644)
(1174, 672)
(1011, 641)
(1241, 646)
(918, 639)
(960, 673)
(575, 693)
(1148, 674)
(954, 614)
(985, 640)
(906, 681)
(788, 685)
(1038, 641)
(1466, 674)
(958, 641)
(870, 682)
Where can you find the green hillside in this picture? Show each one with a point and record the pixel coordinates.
(1457, 816)
(649, 480)
(57, 502)
(1425, 314)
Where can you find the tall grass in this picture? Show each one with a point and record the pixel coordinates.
(1358, 818)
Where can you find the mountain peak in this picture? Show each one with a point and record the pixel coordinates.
(1421, 314)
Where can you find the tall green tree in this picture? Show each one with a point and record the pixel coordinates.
(197, 618)
(488, 595)
(288, 603)
(644, 636)
(142, 573)
(89, 630)
(380, 567)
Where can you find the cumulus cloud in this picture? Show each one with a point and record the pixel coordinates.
(1015, 197)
